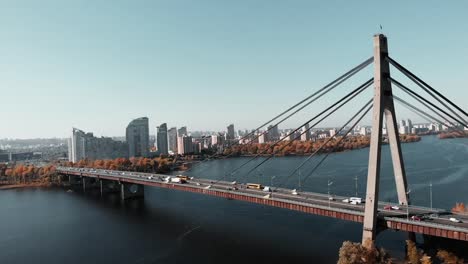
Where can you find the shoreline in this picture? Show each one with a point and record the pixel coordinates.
(23, 185)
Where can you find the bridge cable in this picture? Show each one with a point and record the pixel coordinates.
(426, 118)
(347, 98)
(324, 90)
(421, 112)
(426, 87)
(369, 107)
(425, 102)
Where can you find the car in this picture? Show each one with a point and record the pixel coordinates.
(357, 200)
(150, 177)
(354, 202)
(434, 215)
(267, 189)
(345, 201)
(395, 207)
(294, 192)
(415, 218)
(198, 184)
(455, 220)
(235, 188)
(331, 198)
(388, 207)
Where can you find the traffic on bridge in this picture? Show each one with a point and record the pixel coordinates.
(392, 216)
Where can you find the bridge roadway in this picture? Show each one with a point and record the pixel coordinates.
(433, 222)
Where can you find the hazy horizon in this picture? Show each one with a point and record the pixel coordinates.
(206, 64)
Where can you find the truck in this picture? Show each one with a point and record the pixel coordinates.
(177, 180)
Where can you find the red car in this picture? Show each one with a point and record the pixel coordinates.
(388, 207)
(415, 218)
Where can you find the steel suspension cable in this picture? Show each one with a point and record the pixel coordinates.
(421, 112)
(426, 118)
(327, 88)
(347, 133)
(368, 105)
(343, 101)
(426, 87)
(417, 98)
(411, 92)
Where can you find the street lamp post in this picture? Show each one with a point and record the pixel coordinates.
(430, 191)
(300, 175)
(329, 184)
(407, 205)
(356, 184)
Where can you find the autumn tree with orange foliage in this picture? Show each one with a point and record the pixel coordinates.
(140, 164)
(24, 174)
(459, 208)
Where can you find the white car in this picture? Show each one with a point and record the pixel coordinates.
(198, 184)
(345, 201)
(294, 192)
(150, 177)
(395, 207)
(455, 220)
(357, 200)
(267, 189)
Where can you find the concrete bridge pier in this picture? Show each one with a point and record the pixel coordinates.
(107, 186)
(131, 190)
(86, 183)
(74, 180)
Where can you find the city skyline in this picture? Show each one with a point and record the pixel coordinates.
(78, 65)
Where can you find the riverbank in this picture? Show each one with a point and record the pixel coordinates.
(24, 185)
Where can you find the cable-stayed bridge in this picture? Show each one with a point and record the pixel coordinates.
(374, 215)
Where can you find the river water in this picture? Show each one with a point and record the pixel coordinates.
(53, 226)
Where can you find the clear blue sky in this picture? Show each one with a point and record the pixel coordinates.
(96, 65)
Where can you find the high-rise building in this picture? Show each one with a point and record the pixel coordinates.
(184, 145)
(230, 135)
(217, 140)
(161, 139)
(305, 133)
(83, 145)
(402, 123)
(76, 145)
(332, 132)
(172, 139)
(263, 138)
(363, 131)
(409, 124)
(273, 133)
(137, 136)
(182, 132)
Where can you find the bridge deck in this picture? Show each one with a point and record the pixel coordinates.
(307, 202)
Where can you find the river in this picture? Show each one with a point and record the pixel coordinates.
(48, 225)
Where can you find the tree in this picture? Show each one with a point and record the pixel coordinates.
(413, 255)
(356, 253)
(426, 259)
(448, 257)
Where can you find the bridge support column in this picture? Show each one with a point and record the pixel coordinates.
(107, 186)
(86, 183)
(383, 104)
(74, 180)
(130, 190)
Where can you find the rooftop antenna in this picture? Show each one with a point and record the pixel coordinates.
(381, 29)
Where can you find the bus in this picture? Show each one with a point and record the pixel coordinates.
(254, 186)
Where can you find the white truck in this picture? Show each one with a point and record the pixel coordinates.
(177, 180)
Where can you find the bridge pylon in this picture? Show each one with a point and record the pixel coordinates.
(383, 106)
